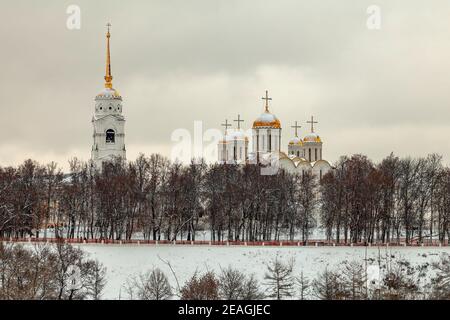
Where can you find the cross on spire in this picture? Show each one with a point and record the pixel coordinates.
(296, 126)
(312, 122)
(239, 121)
(226, 125)
(267, 100)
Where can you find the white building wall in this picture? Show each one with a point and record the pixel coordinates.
(108, 116)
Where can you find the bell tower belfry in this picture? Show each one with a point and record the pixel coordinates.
(108, 121)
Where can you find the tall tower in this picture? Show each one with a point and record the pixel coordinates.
(266, 133)
(108, 121)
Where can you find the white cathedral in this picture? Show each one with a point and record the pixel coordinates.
(303, 154)
(108, 121)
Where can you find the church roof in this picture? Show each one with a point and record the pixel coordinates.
(109, 93)
(296, 141)
(312, 137)
(237, 134)
(267, 119)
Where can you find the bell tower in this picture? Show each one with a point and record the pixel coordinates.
(108, 121)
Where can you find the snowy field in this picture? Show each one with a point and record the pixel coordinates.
(123, 261)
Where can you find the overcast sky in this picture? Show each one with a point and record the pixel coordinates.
(174, 62)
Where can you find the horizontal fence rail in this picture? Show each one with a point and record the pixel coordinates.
(284, 243)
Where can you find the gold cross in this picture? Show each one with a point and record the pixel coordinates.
(239, 121)
(267, 100)
(226, 125)
(296, 127)
(312, 122)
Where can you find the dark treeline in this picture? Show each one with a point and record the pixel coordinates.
(363, 201)
(359, 201)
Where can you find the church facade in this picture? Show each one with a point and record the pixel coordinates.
(303, 154)
(108, 122)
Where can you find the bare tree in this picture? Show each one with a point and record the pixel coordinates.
(354, 280)
(231, 282)
(152, 285)
(328, 286)
(440, 283)
(42, 272)
(400, 282)
(95, 279)
(303, 285)
(279, 278)
(251, 289)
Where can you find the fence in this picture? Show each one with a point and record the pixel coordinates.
(309, 243)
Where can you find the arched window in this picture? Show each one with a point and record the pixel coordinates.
(110, 136)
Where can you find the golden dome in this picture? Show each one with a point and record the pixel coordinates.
(312, 137)
(296, 141)
(267, 119)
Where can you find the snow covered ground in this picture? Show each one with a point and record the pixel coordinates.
(123, 261)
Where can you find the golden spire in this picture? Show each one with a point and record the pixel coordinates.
(108, 76)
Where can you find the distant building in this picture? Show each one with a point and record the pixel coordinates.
(303, 154)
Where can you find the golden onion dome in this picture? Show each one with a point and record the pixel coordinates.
(267, 120)
(312, 137)
(296, 141)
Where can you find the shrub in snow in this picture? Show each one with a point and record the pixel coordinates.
(205, 287)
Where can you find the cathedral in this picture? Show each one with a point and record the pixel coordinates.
(303, 154)
(108, 121)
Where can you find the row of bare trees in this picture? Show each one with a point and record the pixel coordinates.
(153, 198)
(397, 198)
